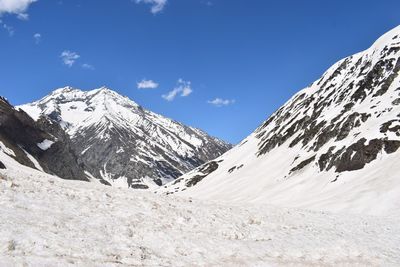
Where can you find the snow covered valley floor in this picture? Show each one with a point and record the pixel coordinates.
(46, 221)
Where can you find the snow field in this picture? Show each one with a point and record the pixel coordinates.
(46, 221)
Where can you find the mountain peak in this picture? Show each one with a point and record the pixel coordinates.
(121, 143)
(78, 109)
(104, 90)
(70, 89)
(101, 96)
(63, 90)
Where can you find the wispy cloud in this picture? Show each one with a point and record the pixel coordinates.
(69, 57)
(18, 7)
(147, 84)
(7, 27)
(156, 5)
(23, 16)
(183, 89)
(219, 102)
(37, 37)
(87, 66)
(207, 3)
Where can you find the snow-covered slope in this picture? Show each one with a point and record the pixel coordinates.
(122, 143)
(334, 145)
(46, 221)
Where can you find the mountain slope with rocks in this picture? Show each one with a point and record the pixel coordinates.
(40, 144)
(121, 143)
(334, 145)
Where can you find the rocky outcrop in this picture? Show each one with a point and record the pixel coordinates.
(357, 155)
(206, 170)
(302, 164)
(44, 141)
(201, 173)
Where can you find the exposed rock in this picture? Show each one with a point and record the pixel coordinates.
(139, 186)
(206, 170)
(302, 164)
(396, 101)
(359, 154)
(209, 167)
(391, 146)
(391, 126)
(22, 134)
(232, 169)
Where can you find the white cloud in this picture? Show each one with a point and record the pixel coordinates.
(22, 16)
(87, 66)
(17, 7)
(219, 102)
(182, 89)
(147, 84)
(37, 37)
(156, 5)
(172, 94)
(8, 28)
(69, 57)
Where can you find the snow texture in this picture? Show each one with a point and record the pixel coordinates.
(47, 221)
(46, 144)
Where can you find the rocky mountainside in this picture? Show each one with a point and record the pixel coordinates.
(37, 144)
(121, 143)
(333, 145)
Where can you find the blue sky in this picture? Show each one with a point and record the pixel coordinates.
(232, 63)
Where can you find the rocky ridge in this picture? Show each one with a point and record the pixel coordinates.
(121, 143)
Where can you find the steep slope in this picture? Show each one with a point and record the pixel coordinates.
(41, 145)
(122, 143)
(334, 145)
(45, 221)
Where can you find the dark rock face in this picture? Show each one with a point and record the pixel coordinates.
(2, 166)
(302, 164)
(235, 168)
(22, 134)
(396, 102)
(206, 169)
(356, 156)
(201, 173)
(391, 126)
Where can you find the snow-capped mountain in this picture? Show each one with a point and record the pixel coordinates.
(334, 145)
(121, 143)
